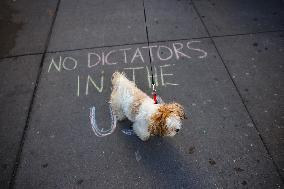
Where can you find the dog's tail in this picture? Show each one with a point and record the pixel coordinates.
(116, 76)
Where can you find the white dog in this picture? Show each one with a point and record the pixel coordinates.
(127, 101)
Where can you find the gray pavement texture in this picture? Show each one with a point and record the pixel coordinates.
(222, 59)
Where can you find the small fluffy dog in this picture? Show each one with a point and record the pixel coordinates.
(127, 101)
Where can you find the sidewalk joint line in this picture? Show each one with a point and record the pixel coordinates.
(140, 43)
(20, 55)
(239, 93)
(22, 142)
(147, 34)
(249, 33)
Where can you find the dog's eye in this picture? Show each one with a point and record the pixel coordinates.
(177, 130)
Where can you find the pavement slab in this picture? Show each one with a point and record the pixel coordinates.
(98, 23)
(219, 136)
(227, 17)
(24, 26)
(172, 20)
(256, 65)
(217, 147)
(17, 81)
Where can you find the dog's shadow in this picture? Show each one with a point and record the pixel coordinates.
(159, 160)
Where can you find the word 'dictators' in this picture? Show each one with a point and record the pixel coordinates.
(157, 52)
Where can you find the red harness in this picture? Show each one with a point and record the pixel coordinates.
(154, 93)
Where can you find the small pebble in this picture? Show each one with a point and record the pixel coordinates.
(250, 124)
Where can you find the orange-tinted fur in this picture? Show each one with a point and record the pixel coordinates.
(158, 120)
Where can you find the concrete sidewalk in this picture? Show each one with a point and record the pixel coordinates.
(223, 60)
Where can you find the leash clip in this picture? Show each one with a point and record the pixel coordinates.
(154, 93)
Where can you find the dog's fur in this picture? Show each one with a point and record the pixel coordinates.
(127, 101)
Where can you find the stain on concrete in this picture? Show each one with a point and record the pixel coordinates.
(10, 25)
(191, 150)
(212, 162)
(79, 182)
(50, 12)
(45, 165)
(238, 169)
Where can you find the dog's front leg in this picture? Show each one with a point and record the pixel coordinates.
(117, 110)
(140, 128)
(119, 115)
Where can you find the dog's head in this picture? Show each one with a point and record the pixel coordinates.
(167, 120)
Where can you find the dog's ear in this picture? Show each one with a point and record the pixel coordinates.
(158, 121)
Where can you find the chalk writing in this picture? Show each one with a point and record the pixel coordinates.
(89, 59)
(68, 63)
(97, 59)
(160, 52)
(132, 55)
(128, 132)
(96, 82)
(178, 51)
(78, 86)
(149, 76)
(164, 74)
(136, 55)
(150, 50)
(124, 53)
(133, 71)
(90, 80)
(107, 55)
(138, 157)
(196, 49)
(101, 132)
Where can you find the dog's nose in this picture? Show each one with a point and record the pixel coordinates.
(177, 130)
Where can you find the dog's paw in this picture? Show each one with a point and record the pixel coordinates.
(120, 117)
(144, 138)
